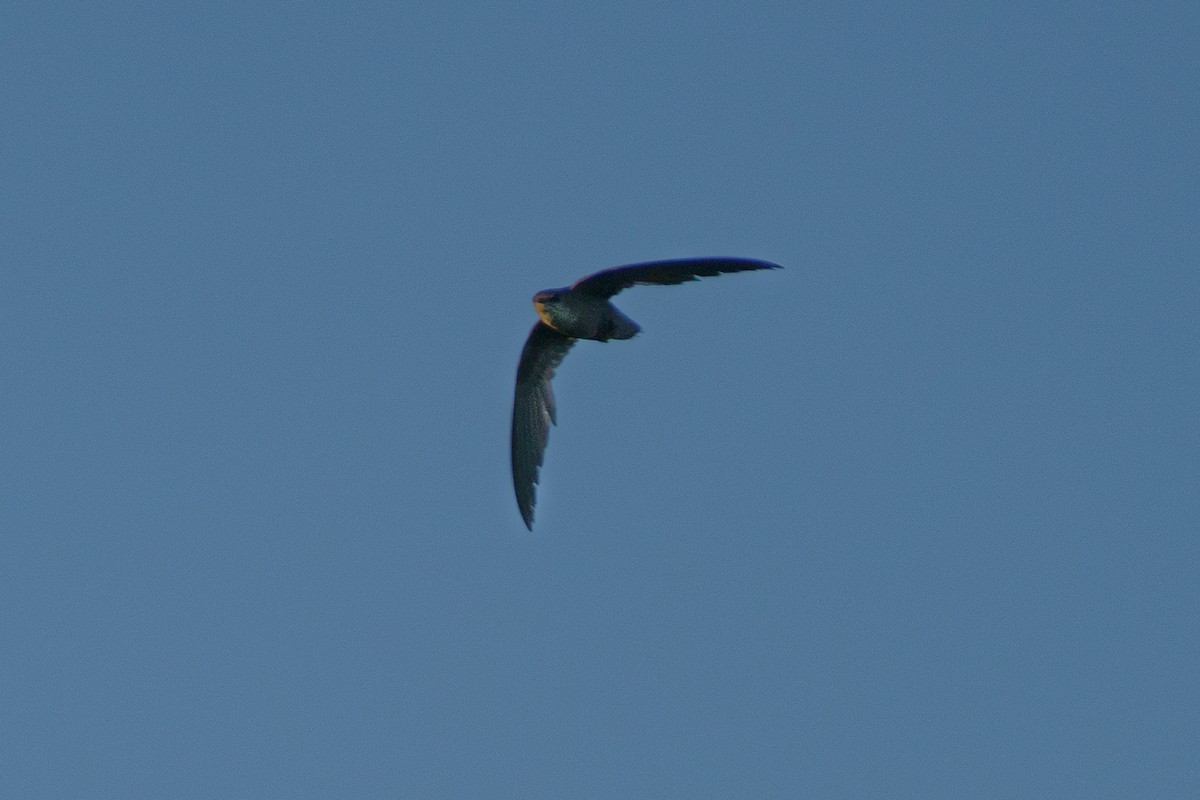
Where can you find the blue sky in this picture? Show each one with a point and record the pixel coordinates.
(916, 516)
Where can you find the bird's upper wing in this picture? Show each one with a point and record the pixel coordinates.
(610, 281)
(533, 410)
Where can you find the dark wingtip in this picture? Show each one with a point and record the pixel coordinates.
(745, 264)
(526, 514)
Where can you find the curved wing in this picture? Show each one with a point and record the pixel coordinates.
(533, 410)
(610, 281)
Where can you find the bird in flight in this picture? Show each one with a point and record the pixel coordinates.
(582, 311)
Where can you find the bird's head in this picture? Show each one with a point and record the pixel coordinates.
(546, 302)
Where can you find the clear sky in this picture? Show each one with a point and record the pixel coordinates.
(916, 516)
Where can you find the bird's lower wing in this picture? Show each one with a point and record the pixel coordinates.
(533, 410)
(610, 281)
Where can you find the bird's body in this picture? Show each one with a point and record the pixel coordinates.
(582, 311)
(583, 316)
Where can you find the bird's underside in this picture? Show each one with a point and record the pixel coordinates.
(582, 311)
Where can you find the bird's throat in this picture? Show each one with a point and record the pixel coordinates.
(544, 314)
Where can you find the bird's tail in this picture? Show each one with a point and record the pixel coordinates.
(622, 326)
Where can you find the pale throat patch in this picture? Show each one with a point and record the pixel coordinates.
(543, 313)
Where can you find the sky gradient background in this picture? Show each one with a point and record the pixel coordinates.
(916, 516)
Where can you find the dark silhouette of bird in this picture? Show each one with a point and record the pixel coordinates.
(582, 311)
